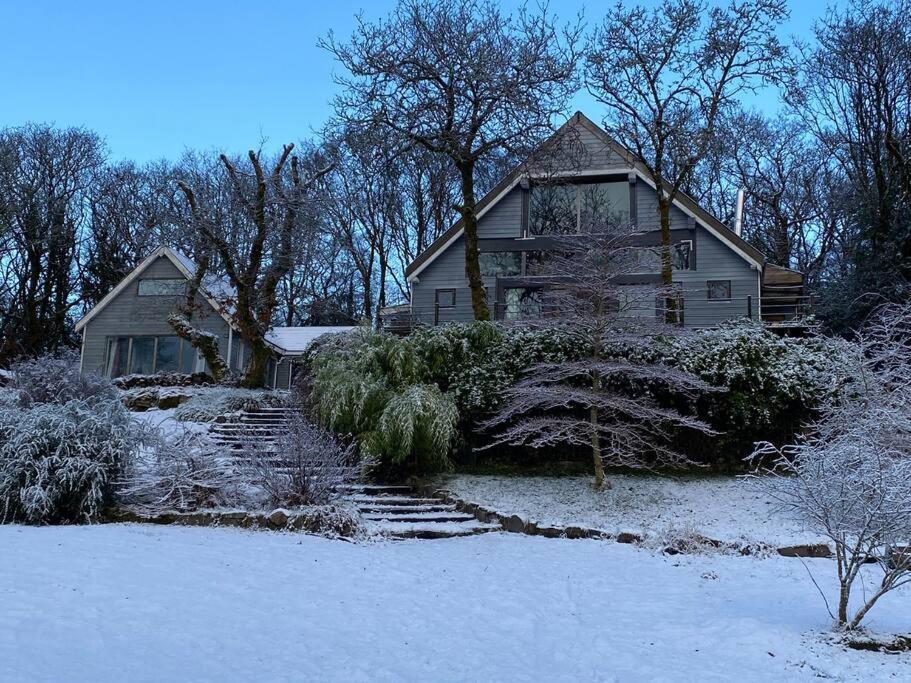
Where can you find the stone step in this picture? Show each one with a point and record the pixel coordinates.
(424, 530)
(373, 489)
(419, 517)
(393, 500)
(404, 509)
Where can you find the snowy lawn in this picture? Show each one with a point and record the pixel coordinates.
(723, 508)
(126, 602)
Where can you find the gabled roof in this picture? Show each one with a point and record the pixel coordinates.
(217, 299)
(682, 200)
(295, 340)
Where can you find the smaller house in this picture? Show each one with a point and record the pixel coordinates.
(127, 332)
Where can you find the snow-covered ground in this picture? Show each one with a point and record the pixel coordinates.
(723, 508)
(127, 602)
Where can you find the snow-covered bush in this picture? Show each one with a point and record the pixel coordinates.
(376, 388)
(59, 462)
(180, 472)
(209, 404)
(307, 467)
(851, 478)
(56, 378)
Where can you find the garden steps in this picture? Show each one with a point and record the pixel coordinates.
(398, 512)
(260, 426)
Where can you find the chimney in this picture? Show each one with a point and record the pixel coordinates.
(738, 215)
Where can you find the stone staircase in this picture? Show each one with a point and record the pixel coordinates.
(398, 512)
(260, 426)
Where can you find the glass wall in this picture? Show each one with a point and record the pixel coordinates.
(569, 209)
(494, 263)
(148, 355)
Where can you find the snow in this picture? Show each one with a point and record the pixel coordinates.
(141, 603)
(167, 423)
(297, 339)
(721, 508)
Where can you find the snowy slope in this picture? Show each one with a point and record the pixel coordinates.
(723, 508)
(123, 602)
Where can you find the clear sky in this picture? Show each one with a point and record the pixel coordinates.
(154, 78)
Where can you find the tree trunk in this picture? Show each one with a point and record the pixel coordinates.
(596, 437)
(205, 342)
(255, 372)
(470, 225)
(667, 271)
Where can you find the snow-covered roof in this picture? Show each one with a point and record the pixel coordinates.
(294, 340)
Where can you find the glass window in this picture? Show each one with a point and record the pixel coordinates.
(522, 303)
(603, 205)
(187, 358)
(648, 259)
(167, 354)
(719, 290)
(495, 263)
(553, 210)
(117, 356)
(162, 287)
(445, 298)
(680, 255)
(142, 356)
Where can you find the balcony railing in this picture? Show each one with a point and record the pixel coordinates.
(776, 310)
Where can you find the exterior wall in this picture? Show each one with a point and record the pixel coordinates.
(714, 259)
(128, 314)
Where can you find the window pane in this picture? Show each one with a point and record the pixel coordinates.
(719, 289)
(445, 298)
(118, 351)
(143, 350)
(188, 357)
(552, 210)
(167, 356)
(162, 287)
(523, 302)
(495, 263)
(603, 205)
(680, 255)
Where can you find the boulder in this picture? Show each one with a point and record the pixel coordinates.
(628, 537)
(548, 531)
(171, 399)
(515, 524)
(576, 532)
(141, 400)
(806, 550)
(278, 519)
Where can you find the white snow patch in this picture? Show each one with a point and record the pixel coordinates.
(142, 603)
(722, 508)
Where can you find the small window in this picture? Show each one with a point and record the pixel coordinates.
(162, 287)
(680, 255)
(719, 290)
(446, 298)
(494, 263)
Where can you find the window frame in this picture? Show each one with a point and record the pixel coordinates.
(708, 292)
(436, 297)
(182, 281)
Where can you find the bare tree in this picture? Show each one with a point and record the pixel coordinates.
(598, 401)
(667, 75)
(851, 479)
(461, 80)
(256, 253)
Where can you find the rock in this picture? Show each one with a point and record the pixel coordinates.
(171, 400)
(278, 518)
(628, 537)
(806, 550)
(141, 400)
(548, 531)
(576, 532)
(515, 524)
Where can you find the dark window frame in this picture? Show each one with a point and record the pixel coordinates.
(708, 292)
(436, 297)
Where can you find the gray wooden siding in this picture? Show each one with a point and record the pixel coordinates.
(715, 260)
(131, 315)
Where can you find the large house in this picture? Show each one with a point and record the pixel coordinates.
(128, 332)
(718, 274)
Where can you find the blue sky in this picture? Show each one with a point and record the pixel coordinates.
(154, 78)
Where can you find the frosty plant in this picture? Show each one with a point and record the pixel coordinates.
(599, 402)
(307, 467)
(851, 479)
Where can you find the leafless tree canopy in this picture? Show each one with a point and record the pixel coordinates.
(465, 81)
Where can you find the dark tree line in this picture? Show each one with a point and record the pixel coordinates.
(436, 103)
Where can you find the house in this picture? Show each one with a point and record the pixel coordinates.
(718, 274)
(127, 332)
